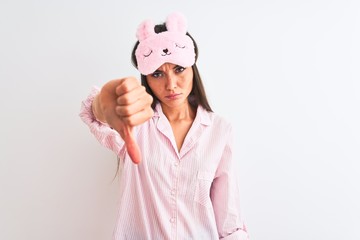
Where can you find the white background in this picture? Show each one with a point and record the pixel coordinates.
(286, 73)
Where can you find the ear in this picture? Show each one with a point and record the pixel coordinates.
(176, 22)
(145, 30)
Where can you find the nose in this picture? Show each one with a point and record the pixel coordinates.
(171, 82)
(165, 50)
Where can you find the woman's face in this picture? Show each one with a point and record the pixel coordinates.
(171, 84)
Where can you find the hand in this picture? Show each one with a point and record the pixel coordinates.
(124, 103)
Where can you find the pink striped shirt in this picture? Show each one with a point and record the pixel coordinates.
(188, 194)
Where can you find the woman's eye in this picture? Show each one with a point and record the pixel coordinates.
(179, 69)
(156, 75)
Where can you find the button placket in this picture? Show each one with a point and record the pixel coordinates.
(173, 197)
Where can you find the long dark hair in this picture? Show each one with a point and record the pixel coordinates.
(197, 95)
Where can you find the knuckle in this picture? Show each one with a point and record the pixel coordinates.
(125, 88)
(118, 110)
(123, 111)
(150, 98)
(119, 100)
(128, 121)
(125, 120)
(126, 112)
(148, 113)
(123, 100)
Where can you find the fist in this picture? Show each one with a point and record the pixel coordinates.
(124, 104)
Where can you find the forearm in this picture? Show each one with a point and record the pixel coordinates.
(108, 137)
(225, 195)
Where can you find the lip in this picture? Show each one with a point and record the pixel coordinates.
(173, 96)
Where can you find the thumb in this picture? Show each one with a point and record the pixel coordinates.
(131, 145)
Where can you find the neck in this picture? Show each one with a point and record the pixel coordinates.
(179, 113)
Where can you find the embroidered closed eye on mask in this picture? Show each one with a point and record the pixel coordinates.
(171, 46)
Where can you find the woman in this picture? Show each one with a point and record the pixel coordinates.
(175, 154)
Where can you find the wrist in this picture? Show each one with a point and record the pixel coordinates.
(95, 107)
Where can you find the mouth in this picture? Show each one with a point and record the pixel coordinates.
(173, 96)
(165, 54)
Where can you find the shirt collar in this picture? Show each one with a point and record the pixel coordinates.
(202, 116)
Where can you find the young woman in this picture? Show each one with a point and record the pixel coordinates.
(176, 166)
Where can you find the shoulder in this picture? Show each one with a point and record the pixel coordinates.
(216, 121)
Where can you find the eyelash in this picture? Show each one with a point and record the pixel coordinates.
(156, 74)
(178, 69)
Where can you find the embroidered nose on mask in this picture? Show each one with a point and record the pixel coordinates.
(166, 52)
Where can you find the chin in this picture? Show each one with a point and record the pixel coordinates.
(176, 103)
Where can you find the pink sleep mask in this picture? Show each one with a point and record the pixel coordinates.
(171, 46)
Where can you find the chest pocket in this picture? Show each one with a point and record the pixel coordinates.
(202, 189)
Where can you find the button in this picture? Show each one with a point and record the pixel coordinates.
(172, 220)
(173, 192)
(176, 164)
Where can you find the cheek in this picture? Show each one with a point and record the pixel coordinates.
(189, 84)
(154, 86)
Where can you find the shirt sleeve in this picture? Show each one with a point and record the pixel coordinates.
(225, 196)
(106, 136)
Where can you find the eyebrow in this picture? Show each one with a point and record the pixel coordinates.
(178, 66)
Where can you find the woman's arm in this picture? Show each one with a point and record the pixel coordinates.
(121, 104)
(106, 136)
(225, 196)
